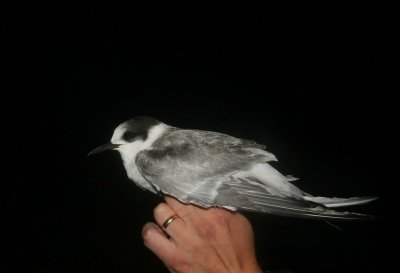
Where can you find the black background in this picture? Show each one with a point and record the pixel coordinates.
(313, 81)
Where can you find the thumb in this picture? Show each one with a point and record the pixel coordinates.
(156, 240)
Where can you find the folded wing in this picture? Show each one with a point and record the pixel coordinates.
(211, 169)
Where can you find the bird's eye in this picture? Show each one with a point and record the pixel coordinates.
(129, 136)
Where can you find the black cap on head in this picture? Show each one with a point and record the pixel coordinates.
(138, 126)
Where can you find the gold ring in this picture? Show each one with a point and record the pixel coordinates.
(169, 221)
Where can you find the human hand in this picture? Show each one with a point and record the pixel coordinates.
(201, 240)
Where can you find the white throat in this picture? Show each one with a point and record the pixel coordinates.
(130, 151)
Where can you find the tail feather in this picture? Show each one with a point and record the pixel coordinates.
(253, 197)
(340, 202)
(312, 212)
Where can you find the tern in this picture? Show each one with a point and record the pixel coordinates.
(211, 169)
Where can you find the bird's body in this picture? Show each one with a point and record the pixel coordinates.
(213, 169)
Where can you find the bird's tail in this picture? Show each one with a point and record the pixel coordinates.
(263, 189)
(309, 210)
(340, 202)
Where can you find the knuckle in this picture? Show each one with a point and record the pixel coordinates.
(221, 217)
(222, 220)
(206, 231)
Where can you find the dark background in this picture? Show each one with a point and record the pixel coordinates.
(313, 81)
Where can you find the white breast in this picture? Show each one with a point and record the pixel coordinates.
(129, 152)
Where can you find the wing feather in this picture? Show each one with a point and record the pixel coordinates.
(192, 163)
(250, 197)
(213, 169)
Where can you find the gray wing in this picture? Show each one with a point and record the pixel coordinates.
(206, 169)
(249, 196)
(192, 164)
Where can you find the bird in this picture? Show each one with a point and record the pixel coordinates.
(212, 169)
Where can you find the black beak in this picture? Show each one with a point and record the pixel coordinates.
(105, 147)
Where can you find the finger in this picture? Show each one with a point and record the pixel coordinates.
(181, 208)
(156, 240)
(162, 213)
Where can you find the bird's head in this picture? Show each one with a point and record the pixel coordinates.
(132, 136)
